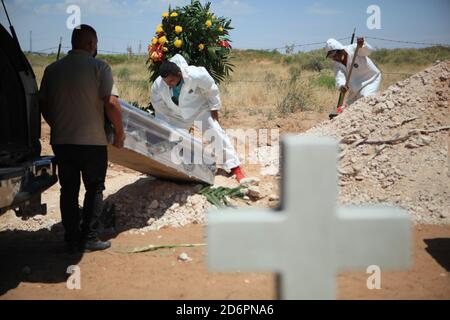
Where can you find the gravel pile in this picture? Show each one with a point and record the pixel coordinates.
(151, 204)
(395, 147)
(33, 224)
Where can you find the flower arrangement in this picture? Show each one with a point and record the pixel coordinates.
(198, 35)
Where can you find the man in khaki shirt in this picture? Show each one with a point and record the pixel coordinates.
(76, 92)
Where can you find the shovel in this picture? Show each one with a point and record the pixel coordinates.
(342, 95)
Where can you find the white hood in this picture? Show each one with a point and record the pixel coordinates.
(180, 61)
(333, 44)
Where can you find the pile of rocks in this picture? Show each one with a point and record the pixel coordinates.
(395, 147)
(12, 223)
(151, 204)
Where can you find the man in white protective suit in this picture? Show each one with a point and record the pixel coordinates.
(185, 95)
(365, 78)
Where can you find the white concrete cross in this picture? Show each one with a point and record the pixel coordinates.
(308, 240)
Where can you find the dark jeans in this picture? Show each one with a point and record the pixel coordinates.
(89, 162)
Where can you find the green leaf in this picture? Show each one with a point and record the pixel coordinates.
(192, 18)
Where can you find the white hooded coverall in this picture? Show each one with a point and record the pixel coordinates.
(198, 97)
(366, 77)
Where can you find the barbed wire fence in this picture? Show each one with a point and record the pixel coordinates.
(294, 45)
(51, 51)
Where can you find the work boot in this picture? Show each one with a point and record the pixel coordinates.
(238, 173)
(96, 245)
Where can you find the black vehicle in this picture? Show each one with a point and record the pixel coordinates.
(24, 174)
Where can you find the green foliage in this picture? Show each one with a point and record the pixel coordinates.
(316, 60)
(203, 41)
(124, 74)
(113, 59)
(313, 61)
(245, 55)
(325, 81)
(296, 98)
(218, 196)
(411, 56)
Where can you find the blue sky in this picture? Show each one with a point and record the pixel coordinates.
(258, 24)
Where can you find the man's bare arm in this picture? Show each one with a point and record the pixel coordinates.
(114, 114)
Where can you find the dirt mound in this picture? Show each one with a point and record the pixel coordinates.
(150, 204)
(395, 147)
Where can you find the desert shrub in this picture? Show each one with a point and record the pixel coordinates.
(124, 74)
(325, 81)
(113, 59)
(250, 54)
(313, 61)
(295, 98)
(411, 56)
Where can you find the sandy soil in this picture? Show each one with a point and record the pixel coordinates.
(34, 267)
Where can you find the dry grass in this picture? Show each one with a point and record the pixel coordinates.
(264, 86)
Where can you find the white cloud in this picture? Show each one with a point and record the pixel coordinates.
(321, 10)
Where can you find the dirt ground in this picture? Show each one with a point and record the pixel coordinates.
(34, 267)
(34, 264)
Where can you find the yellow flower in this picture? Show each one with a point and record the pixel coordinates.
(208, 23)
(178, 43)
(165, 15)
(178, 29)
(159, 29)
(174, 14)
(221, 29)
(213, 17)
(162, 40)
(201, 46)
(165, 49)
(155, 41)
